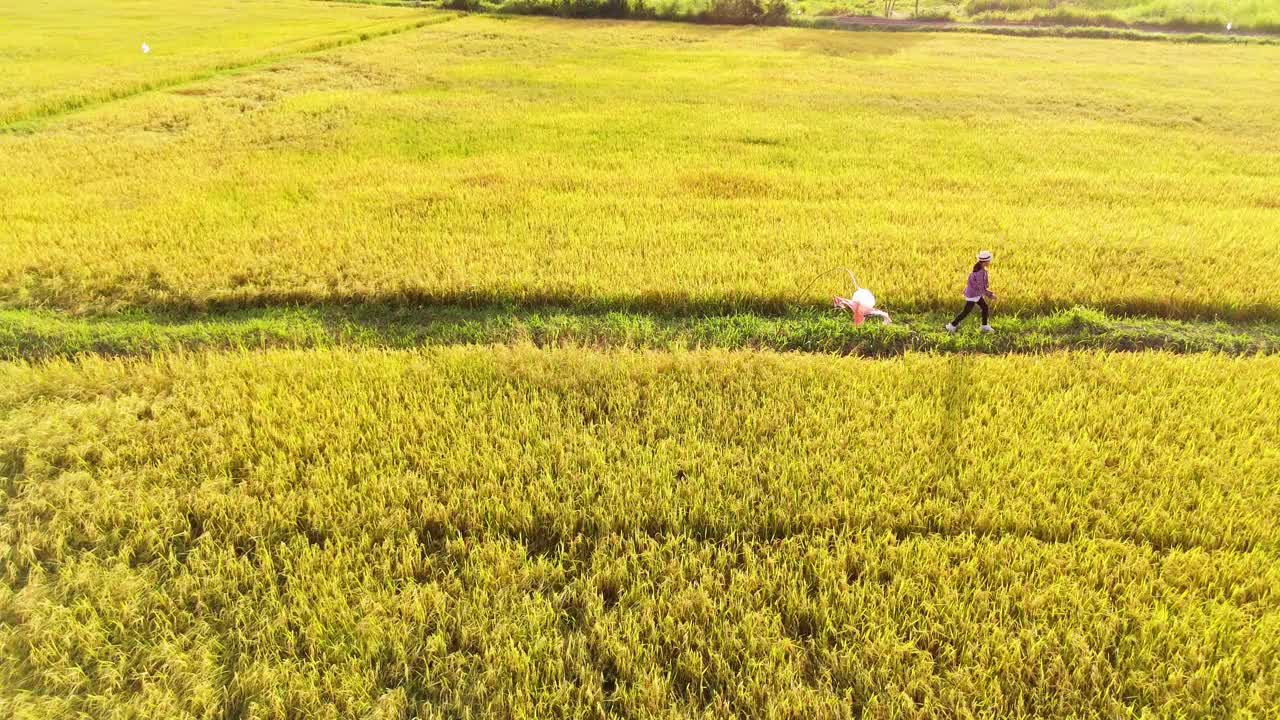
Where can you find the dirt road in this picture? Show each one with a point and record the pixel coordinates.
(869, 20)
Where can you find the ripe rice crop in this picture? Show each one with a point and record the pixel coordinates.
(583, 526)
(59, 55)
(671, 167)
(521, 533)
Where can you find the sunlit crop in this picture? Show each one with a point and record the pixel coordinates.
(60, 55)
(584, 484)
(525, 532)
(664, 166)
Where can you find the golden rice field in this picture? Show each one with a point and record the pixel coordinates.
(563, 496)
(660, 165)
(524, 533)
(59, 55)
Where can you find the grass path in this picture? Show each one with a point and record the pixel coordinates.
(39, 335)
(1130, 32)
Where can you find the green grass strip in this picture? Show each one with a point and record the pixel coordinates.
(35, 335)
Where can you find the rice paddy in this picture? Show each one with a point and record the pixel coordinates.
(719, 168)
(60, 55)
(361, 361)
(525, 532)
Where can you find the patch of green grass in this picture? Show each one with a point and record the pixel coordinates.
(35, 335)
(1178, 15)
(1156, 16)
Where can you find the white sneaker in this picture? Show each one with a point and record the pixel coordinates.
(986, 329)
(951, 328)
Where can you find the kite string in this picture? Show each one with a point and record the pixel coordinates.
(820, 275)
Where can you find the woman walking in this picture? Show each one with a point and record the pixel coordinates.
(976, 293)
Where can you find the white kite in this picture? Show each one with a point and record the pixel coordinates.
(862, 304)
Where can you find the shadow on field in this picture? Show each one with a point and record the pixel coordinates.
(667, 305)
(849, 45)
(32, 334)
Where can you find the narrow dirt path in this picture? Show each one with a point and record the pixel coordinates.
(873, 21)
(32, 335)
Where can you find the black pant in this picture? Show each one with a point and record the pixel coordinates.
(968, 305)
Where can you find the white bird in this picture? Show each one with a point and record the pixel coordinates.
(145, 48)
(1228, 27)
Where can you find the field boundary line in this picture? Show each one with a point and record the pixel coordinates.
(658, 303)
(346, 38)
(905, 533)
(35, 335)
(1136, 31)
(1120, 31)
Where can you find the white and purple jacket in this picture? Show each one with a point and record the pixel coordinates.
(976, 289)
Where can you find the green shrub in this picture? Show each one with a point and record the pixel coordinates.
(747, 12)
(973, 7)
(1203, 22)
(1076, 16)
(579, 8)
(936, 14)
